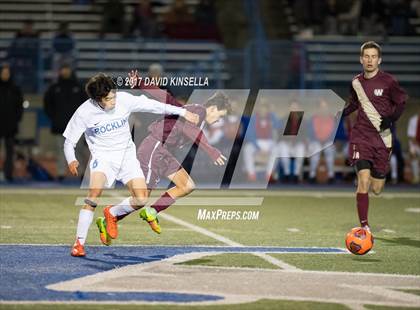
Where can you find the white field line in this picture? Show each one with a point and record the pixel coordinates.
(89, 283)
(413, 210)
(385, 292)
(225, 240)
(208, 233)
(322, 193)
(254, 249)
(188, 201)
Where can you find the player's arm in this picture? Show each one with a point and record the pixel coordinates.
(352, 103)
(70, 155)
(75, 128)
(197, 136)
(398, 98)
(154, 91)
(144, 104)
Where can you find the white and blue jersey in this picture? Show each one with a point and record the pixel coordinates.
(107, 133)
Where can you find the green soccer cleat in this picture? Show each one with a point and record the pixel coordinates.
(105, 239)
(150, 216)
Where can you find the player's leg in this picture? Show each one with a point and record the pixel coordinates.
(299, 153)
(249, 152)
(131, 174)
(183, 186)
(394, 170)
(283, 150)
(414, 152)
(115, 213)
(329, 154)
(378, 175)
(315, 148)
(139, 195)
(363, 168)
(97, 183)
(271, 173)
(380, 169)
(377, 185)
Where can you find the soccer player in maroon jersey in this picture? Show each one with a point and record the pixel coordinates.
(379, 100)
(168, 134)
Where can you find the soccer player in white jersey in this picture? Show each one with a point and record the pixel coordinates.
(104, 120)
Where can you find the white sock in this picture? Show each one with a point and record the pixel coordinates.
(85, 219)
(123, 208)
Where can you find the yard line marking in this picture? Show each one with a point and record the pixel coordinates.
(102, 282)
(293, 229)
(413, 210)
(389, 231)
(187, 201)
(241, 249)
(311, 192)
(225, 240)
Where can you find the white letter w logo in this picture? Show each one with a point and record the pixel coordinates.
(378, 92)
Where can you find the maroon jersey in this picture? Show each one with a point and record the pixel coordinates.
(159, 94)
(175, 133)
(388, 98)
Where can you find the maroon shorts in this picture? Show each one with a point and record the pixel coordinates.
(378, 158)
(156, 161)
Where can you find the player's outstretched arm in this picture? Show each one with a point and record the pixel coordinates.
(197, 136)
(144, 104)
(152, 90)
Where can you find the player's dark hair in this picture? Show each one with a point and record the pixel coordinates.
(220, 100)
(99, 86)
(371, 44)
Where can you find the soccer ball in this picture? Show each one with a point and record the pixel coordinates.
(359, 241)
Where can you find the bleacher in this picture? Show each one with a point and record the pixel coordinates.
(336, 59)
(113, 54)
(84, 19)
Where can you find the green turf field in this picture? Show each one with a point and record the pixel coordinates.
(287, 220)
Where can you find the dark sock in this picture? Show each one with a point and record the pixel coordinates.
(362, 208)
(163, 202)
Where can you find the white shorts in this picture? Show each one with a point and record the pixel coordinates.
(122, 167)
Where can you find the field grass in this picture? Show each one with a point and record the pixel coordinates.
(232, 260)
(283, 221)
(261, 304)
(44, 217)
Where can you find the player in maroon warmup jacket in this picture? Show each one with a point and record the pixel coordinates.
(379, 101)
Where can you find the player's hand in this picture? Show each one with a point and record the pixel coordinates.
(385, 123)
(73, 168)
(133, 77)
(220, 161)
(192, 117)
